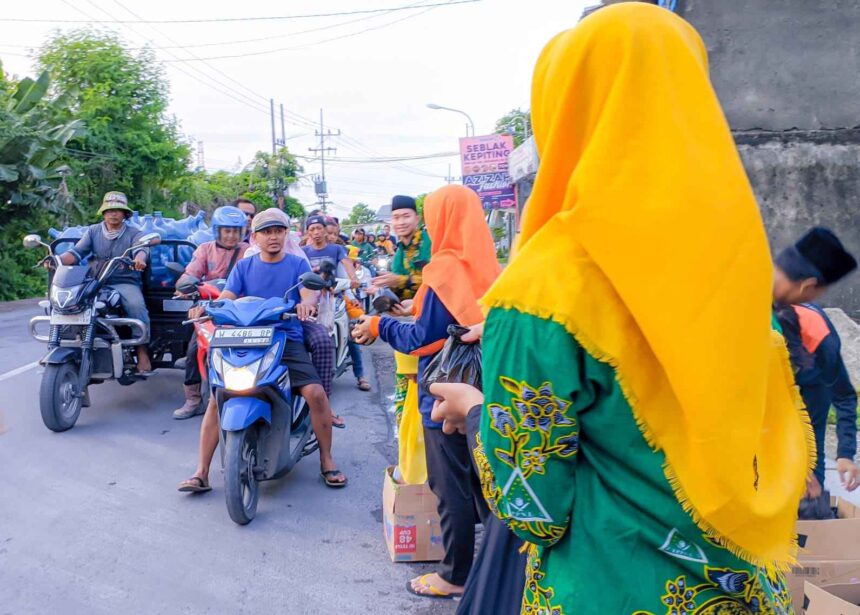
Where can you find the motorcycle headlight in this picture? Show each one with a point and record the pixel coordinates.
(270, 357)
(64, 298)
(241, 378)
(218, 362)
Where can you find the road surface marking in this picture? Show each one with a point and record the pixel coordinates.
(19, 370)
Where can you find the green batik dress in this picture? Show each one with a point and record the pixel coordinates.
(568, 469)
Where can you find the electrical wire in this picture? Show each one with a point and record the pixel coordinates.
(429, 8)
(235, 19)
(245, 100)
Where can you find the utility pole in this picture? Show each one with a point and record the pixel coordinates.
(201, 160)
(320, 186)
(450, 178)
(272, 112)
(283, 130)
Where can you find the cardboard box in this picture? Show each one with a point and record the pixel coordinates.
(831, 599)
(410, 522)
(820, 572)
(834, 539)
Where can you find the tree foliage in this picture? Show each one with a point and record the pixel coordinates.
(264, 181)
(131, 144)
(32, 148)
(360, 214)
(96, 120)
(517, 123)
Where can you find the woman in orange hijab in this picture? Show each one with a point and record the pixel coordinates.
(462, 267)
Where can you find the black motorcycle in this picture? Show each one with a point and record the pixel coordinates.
(90, 340)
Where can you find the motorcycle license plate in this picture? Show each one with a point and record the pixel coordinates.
(70, 319)
(243, 336)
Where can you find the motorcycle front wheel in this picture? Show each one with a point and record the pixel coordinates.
(59, 402)
(241, 487)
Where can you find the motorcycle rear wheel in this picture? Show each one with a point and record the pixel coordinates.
(59, 402)
(241, 488)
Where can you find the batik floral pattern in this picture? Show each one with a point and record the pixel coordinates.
(727, 591)
(537, 595)
(536, 417)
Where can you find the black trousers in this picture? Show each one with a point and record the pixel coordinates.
(192, 370)
(461, 505)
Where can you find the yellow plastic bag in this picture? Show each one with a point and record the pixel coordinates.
(412, 461)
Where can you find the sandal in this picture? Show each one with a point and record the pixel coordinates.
(428, 591)
(334, 484)
(363, 384)
(195, 484)
(340, 425)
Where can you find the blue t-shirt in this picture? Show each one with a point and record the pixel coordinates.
(251, 277)
(332, 253)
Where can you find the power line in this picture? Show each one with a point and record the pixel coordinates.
(232, 89)
(250, 104)
(429, 7)
(234, 19)
(259, 39)
(296, 119)
(389, 159)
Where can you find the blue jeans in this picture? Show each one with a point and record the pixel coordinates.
(357, 362)
(133, 303)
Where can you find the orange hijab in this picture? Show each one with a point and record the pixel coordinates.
(463, 262)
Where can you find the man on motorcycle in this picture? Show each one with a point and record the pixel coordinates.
(383, 241)
(250, 210)
(270, 274)
(319, 249)
(413, 249)
(212, 260)
(109, 238)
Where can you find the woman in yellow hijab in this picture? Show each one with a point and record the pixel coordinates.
(640, 423)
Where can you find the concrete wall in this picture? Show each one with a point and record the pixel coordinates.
(781, 64)
(802, 183)
(787, 73)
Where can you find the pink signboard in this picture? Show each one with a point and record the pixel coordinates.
(485, 169)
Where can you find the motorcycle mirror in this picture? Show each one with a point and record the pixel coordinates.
(175, 268)
(32, 241)
(150, 239)
(312, 281)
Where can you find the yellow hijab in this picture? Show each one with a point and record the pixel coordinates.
(642, 237)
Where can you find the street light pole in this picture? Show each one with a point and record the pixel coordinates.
(438, 107)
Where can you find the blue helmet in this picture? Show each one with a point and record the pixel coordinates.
(228, 216)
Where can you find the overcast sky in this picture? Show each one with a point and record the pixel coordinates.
(373, 82)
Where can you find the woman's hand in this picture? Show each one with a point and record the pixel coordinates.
(476, 332)
(455, 401)
(813, 487)
(361, 331)
(404, 308)
(195, 312)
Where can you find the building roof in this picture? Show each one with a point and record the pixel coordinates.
(383, 214)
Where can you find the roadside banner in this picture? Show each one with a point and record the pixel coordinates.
(484, 163)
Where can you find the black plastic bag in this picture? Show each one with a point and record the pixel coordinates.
(457, 362)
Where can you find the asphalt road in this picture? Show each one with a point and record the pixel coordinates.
(91, 522)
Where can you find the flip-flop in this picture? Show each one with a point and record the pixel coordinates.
(363, 385)
(195, 484)
(341, 425)
(433, 593)
(331, 483)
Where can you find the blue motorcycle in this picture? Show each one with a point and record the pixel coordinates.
(265, 428)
